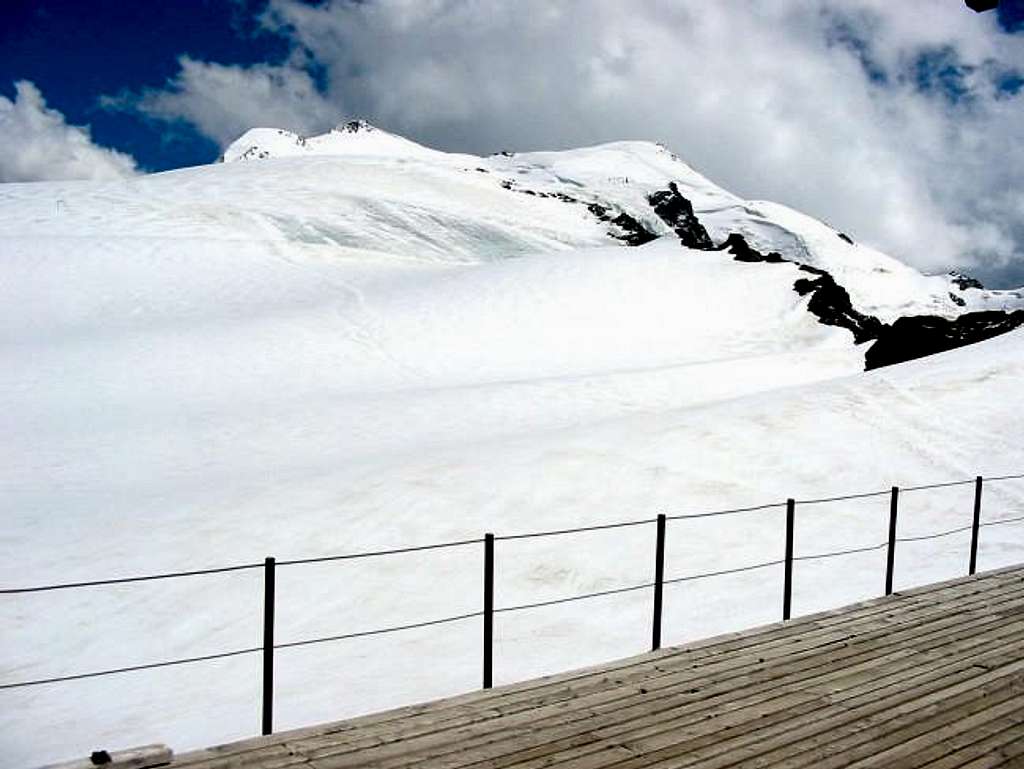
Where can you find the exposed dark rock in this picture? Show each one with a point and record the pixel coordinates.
(677, 212)
(919, 335)
(831, 303)
(741, 251)
(623, 226)
(631, 232)
(355, 126)
(905, 339)
(626, 228)
(847, 238)
(964, 282)
(812, 270)
(957, 300)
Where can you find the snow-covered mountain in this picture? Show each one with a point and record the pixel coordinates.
(351, 341)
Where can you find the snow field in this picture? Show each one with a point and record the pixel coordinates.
(317, 355)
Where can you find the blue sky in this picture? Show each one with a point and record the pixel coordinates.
(897, 122)
(76, 51)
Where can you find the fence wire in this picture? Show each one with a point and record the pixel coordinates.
(576, 530)
(723, 572)
(476, 541)
(730, 511)
(570, 599)
(376, 553)
(844, 497)
(239, 652)
(1003, 520)
(125, 580)
(131, 668)
(379, 631)
(835, 553)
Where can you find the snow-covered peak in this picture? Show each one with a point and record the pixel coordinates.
(353, 138)
(262, 143)
(354, 126)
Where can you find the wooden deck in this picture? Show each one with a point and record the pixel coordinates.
(930, 677)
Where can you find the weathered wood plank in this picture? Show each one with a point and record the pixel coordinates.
(930, 676)
(662, 680)
(620, 716)
(1005, 750)
(925, 598)
(718, 742)
(142, 757)
(622, 706)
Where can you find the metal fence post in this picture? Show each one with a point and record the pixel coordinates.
(787, 585)
(890, 560)
(488, 609)
(268, 645)
(659, 582)
(976, 525)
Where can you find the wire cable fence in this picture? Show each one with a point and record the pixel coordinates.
(489, 610)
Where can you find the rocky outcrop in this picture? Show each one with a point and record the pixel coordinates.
(741, 251)
(964, 282)
(831, 304)
(919, 335)
(625, 227)
(677, 212)
(354, 127)
(630, 231)
(906, 339)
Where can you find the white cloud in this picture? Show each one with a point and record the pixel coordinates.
(36, 144)
(773, 99)
(224, 101)
(844, 109)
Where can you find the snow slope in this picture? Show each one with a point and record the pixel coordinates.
(351, 343)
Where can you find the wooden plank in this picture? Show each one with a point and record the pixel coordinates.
(1002, 750)
(989, 583)
(621, 716)
(454, 738)
(778, 742)
(142, 757)
(668, 740)
(956, 732)
(656, 681)
(936, 672)
(657, 689)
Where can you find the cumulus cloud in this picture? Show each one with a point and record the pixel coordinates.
(224, 101)
(37, 144)
(897, 122)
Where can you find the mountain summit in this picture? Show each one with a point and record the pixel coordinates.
(640, 191)
(355, 137)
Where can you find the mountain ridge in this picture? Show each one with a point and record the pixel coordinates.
(953, 322)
